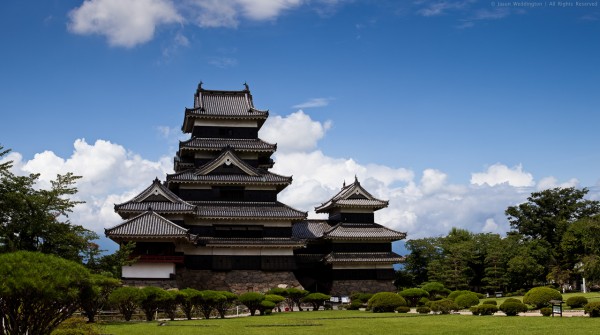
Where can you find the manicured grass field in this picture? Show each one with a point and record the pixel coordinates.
(362, 323)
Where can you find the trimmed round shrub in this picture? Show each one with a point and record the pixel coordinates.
(455, 294)
(444, 306)
(316, 300)
(423, 310)
(385, 302)
(360, 297)
(252, 300)
(355, 305)
(577, 301)
(436, 289)
(466, 300)
(540, 296)
(490, 302)
(484, 309)
(546, 311)
(513, 308)
(414, 295)
(423, 302)
(402, 309)
(593, 309)
(266, 307)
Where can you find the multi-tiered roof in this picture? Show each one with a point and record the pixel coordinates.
(219, 211)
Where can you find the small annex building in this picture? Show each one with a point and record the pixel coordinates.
(216, 223)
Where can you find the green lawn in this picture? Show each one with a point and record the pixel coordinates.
(362, 323)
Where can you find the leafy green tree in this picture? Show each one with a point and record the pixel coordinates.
(495, 276)
(223, 305)
(455, 266)
(413, 295)
(316, 300)
(208, 301)
(150, 299)
(109, 264)
(38, 292)
(36, 219)
(170, 303)
(277, 299)
(422, 252)
(94, 295)
(548, 214)
(582, 243)
(435, 290)
(252, 300)
(294, 296)
(126, 300)
(188, 298)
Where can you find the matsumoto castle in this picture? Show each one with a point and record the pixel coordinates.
(216, 223)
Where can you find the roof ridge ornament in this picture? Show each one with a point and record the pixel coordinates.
(246, 86)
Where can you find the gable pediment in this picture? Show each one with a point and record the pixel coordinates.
(227, 163)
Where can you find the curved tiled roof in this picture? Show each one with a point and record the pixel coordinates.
(157, 206)
(364, 257)
(265, 177)
(352, 196)
(252, 175)
(310, 229)
(211, 104)
(215, 144)
(246, 210)
(147, 225)
(362, 231)
(169, 202)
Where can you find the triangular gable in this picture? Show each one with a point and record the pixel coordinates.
(157, 192)
(227, 158)
(157, 196)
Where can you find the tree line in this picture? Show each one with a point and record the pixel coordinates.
(554, 239)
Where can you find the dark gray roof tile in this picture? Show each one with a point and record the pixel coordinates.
(147, 225)
(364, 257)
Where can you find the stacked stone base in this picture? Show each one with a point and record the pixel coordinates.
(162, 283)
(236, 281)
(347, 287)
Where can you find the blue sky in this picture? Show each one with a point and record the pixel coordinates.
(452, 110)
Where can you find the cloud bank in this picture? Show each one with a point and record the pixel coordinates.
(422, 203)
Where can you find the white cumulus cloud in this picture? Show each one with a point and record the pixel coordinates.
(110, 174)
(500, 173)
(295, 132)
(123, 23)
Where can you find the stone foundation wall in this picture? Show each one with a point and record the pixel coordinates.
(162, 283)
(346, 287)
(236, 281)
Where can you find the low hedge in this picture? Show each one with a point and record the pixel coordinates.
(490, 302)
(423, 310)
(484, 309)
(443, 306)
(593, 309)
(513, 308)
(385, 302)
(466, 300)
(577, 301)
(546, 311)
